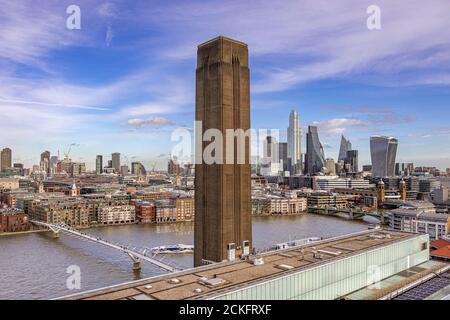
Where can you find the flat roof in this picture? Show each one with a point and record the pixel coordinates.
(190, 283)
(424, 274)
(222, 38)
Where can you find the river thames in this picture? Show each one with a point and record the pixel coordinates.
(34, 265)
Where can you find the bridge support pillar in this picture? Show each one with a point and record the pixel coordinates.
(54, 232)
(136, 266)
(136, 262)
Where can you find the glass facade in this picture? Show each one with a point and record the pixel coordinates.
(345, 147)
(315, 157)
(338, 278)
(294, 135)
(383, 151)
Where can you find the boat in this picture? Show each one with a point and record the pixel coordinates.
(173, 249)
(296, 243)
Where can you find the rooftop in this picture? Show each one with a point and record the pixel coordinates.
(221, 38)
(198, 283)
(442, 253)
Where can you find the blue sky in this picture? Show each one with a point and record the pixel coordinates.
(126, 80)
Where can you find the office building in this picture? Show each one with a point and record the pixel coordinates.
(45, 162)
(173, 167)
(138, 169)
(223, 228)
(315, 157)
(330, 183)
(270, 165)
(404, 169)
(53, 164)
(78, 169)
(6, 159)
(270, 148)
(440, 195)
(124, 170)
(294, 135)
(115, 161)
(383, 151)
(283, 154)
(345, 147)
(352, 160)
(99, 164)
(428, 184)
(331, 166)
(416, 220)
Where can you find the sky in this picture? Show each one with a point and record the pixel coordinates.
(126, 80)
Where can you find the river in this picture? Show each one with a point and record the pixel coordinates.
(34, 265)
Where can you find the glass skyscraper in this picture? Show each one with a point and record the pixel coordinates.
(294, 135)
(315, 157)
(345, 147)
(383, 151)
(99, 164)
(115, 158)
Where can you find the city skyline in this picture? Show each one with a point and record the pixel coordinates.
(155, 151)
(108, 88)
(116, 163)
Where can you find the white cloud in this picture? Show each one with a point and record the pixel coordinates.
(337, 126)
(155, 122)
(29, 32)
(310, 40)
(109, 35)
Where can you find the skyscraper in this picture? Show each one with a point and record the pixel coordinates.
(45, 162)
(294, 135)
(331, 166)
(283, 153)
(138, 168)
(53, 164)
(352, 160)
(346, 145)
(173, 167)
(383, 151)
(270, 165)
(315, 157)
(6, 159)
(99, 164)
(223, 225)
(271, 148)
(115, 161)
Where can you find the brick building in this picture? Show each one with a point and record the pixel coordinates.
(145, 211)
(13, 220)
(185, 209)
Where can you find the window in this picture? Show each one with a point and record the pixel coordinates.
(424, 246)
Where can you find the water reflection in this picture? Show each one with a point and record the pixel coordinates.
(34, 265)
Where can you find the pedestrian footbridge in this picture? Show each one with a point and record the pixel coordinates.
(137, 255)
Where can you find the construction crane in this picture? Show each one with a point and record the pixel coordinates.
(66, 153)
(155, 163)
